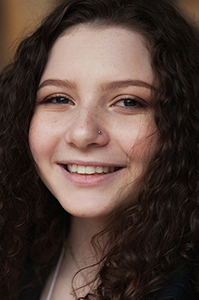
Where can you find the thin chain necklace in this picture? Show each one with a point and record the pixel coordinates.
(73, 257)
(76, 262)
(57, 269)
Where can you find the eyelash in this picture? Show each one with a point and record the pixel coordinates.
(130, 101)
(66, 100)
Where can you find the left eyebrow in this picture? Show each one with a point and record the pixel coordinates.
(125, 83)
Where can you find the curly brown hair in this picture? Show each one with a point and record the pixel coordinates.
(149, 238)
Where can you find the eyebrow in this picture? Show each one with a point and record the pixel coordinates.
(104, 87)
(57, 82)
(125, 83)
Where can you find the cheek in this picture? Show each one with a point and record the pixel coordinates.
(140, 144)
(145, 148)
(42, 139)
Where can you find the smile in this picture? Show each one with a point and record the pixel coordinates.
(73, 168)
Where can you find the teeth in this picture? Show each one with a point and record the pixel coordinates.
(99, 170)
(73, 168)
(112, 169)
(106, 169)
(81, 169)
(90, 169)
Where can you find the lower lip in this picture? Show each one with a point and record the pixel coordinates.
(88, 180)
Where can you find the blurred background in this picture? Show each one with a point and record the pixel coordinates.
(20, 17)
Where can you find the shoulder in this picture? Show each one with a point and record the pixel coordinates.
(31, 288)
(182, 286)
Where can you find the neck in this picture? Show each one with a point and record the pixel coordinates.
(81, 233)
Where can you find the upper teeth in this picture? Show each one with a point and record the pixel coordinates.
(89, 169)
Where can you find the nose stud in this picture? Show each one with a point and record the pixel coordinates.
(99, 132)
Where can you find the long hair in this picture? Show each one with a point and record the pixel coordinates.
(161, 229)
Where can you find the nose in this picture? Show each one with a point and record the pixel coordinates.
(87, 130)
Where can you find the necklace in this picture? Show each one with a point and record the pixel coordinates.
(76, 262)
(56, 273)
(73, 257)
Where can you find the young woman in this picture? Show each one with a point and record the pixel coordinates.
(99, 155)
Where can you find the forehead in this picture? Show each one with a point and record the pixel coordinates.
(108, 49)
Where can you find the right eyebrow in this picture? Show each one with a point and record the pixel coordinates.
(57, 82)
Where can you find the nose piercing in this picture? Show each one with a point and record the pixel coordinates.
(99, 132)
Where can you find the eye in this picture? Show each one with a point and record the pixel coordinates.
(58, 100)
(128, 102)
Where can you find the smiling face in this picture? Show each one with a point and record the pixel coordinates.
(93, 131)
